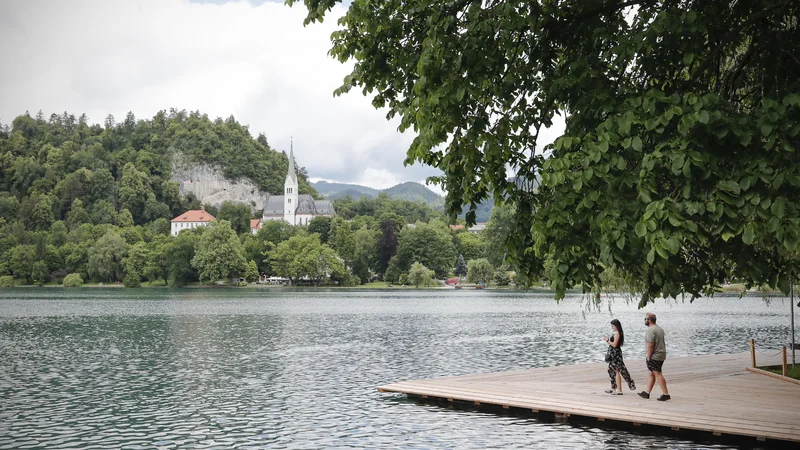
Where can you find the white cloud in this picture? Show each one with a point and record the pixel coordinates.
(256, 62)
(378, 178)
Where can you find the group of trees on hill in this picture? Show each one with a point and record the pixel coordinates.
(66, 183)
(82, 202)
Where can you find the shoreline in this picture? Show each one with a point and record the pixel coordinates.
(727, 291)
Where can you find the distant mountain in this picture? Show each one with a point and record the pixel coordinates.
(328, 189)
(410, 190)
(414, 192)
(355, 194)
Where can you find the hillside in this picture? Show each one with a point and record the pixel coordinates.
(410, 190)
(65, 168)
(340, 190)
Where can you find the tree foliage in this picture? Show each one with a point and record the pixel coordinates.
(105, 258)
(366, 252)
(430, 244)
(418, 275)
(409, 211)
(322, 226)
(677, 165)
(219, 253)
(471, 245)
(480, 271)
(303, 255)
(237, 214)
(461, 266)
(179, 254)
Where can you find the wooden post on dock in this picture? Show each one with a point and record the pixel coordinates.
(753, 352)
(783, 350)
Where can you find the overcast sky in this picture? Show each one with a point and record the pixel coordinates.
(254, 60)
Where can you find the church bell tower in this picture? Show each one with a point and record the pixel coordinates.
(290, 190)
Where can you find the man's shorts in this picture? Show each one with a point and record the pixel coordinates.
(654, 366)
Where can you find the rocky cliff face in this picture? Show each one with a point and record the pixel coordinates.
(211, 187)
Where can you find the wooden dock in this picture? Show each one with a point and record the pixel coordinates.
(714, 394)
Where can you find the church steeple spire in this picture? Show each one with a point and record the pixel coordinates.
(291, 175)
(291, 195)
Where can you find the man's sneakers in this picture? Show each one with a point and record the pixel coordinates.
(646, 395)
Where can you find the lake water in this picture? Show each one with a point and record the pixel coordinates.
(290, 368)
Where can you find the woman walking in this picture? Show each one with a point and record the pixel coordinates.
(616, 366)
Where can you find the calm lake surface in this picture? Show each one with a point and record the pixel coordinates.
(290, 368)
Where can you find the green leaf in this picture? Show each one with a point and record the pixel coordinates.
(730, 186)
(691, 226)
(662, 251)
(687, 169)
(778, 208)
(790, 240)
(651, 256)
(674, 246)
(688, 58)
(577, 184)
(783, 284)
(766, 129)
(641, 229)
(621, 242)
(744, 139)
(747, 237)
(625, 125)
(772, 225)
(636, 143)
(702, 117)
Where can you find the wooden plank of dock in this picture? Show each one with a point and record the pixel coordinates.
(712, 393)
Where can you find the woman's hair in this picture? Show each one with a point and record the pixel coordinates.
(616, 323)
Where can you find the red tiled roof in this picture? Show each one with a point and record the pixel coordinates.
(255, 223)
(194, 215)
(456, 227)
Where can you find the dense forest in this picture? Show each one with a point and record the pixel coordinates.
(66, 181)
(84, 202)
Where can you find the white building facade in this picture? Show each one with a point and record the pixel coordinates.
(292, 207)
(189, 220)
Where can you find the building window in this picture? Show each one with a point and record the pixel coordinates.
(290, 200)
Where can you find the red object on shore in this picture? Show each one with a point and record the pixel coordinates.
(452, 281)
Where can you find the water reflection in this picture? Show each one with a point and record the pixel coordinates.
(298, 369)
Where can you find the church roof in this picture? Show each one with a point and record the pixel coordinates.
(273, 206)
(194, 215)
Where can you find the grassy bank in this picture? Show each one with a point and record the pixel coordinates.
(791, 372)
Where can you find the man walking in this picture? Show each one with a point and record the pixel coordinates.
(656, 354)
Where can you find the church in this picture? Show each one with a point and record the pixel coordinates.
(293, 207)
